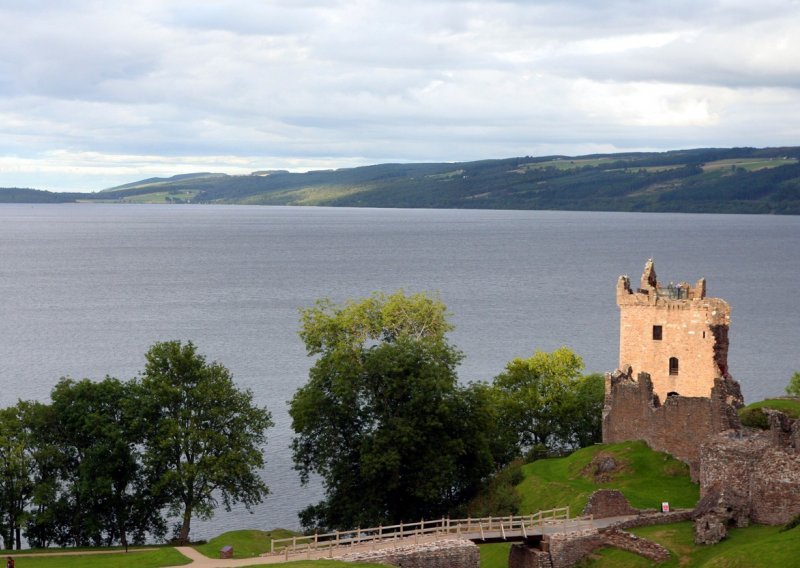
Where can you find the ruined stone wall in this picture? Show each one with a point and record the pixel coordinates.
(693, 330)
(760, 470)
(522, 556)
(451, 553)
(678, 426)
(567, 549)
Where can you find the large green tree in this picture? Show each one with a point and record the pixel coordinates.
(548, 403)
(16, 472)
(104, 497)
(204, 437)
(382, 419)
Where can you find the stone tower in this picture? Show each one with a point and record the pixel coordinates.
(675, 334)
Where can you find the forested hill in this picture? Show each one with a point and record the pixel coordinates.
(710, 180)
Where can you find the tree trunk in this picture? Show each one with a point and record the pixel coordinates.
(183, 537)
(19, 540)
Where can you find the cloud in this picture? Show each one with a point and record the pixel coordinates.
(358, 81)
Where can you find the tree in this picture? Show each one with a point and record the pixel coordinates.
(793, 388)
(105, 496)
(16, 473)
(545, 400)
(382, 419)
(203, 437)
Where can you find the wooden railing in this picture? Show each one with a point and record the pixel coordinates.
(482, 528)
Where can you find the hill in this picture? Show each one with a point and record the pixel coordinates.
(706, 180)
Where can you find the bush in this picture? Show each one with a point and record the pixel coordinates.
(754, 418)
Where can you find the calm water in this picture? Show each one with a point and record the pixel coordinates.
(86, 289)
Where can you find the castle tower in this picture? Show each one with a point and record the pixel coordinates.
(675, 334)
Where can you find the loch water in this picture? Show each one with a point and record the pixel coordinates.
(86, 289)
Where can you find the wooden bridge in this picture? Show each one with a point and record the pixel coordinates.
(482, 530)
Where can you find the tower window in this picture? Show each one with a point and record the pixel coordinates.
(673, 365)
(657, 332)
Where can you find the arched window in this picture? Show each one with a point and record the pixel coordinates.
(673, 365)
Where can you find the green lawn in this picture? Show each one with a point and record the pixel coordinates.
(245, 543)
(790, 406)
(754, 547)
(151, 558)
(646, 478)
(495, 555)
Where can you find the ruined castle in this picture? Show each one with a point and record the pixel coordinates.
(673, 390)
(676, 341)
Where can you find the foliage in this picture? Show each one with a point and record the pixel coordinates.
(203, 437)
(382, 419)
(644, 476)
(793, 388)
(88, 457)
(499, 497)
(546, 401)
(753, 417)
(245, 543)
(16, 473)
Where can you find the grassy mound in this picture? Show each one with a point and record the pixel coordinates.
(245, 543)
(789, 405)
(644, 476)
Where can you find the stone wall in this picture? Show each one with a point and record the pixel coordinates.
(759, 470)
(522, 556)
(608, 503)
(567, 549)
(679, 426)
(448, 553)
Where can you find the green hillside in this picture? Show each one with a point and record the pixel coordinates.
(707, 180)
(644, 476)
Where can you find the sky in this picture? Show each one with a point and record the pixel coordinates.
(98, 93)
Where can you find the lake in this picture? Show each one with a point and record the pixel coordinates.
(86, 289)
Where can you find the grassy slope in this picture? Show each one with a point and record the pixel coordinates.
(245, 543)
(647, 478)
(756, 547)
(791, 406)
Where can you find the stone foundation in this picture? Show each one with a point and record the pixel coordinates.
(450, 553)
(608, 503)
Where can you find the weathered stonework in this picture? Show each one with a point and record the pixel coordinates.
(605, 503)
(449, 553)
(718, 509)
(675, 334)
(679, 426)
(758, 471)
(522, 556)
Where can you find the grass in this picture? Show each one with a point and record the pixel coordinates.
(756, 546)
(150, 558)
(161, 196)
(790, 406)
(645, 477)
(245, 543)
(495, 555)
(565, 164)
(749, 164)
